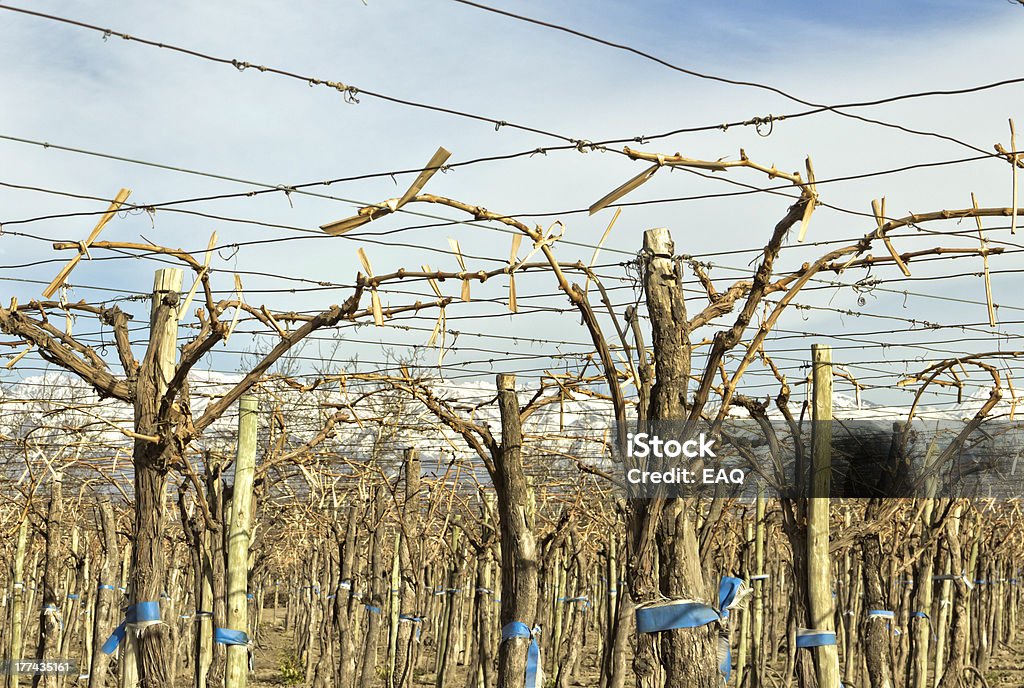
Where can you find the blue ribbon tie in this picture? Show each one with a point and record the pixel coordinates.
(228, 636)
(677, 614)
(811, 637)
(138, 613)
(534, 670)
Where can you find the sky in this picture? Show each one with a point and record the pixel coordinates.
(71, 87)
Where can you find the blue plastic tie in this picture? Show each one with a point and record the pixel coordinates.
(690, 614)
(140, 612)
(810, 637)
(518, 629)
(228, 636)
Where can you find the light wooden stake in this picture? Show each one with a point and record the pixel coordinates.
(238, 309)
(600, 244)
(199, 276)
(624, 189)
(984, 258)
(516, 240)
(14, 361)
(1013, 393)
(879, 211)
(439, 325)
(819, 565)
(378, 314)
(811, 189)
(457, 250)
(372, 212)
(83, 248)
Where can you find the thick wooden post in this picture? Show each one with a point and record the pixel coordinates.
(151, 462)
(518, 542)
(239, 531)
(670, 566)
(819, 565)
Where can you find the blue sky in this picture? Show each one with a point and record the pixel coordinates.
(67, 86)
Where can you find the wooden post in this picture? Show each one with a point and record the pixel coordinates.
(239, 530)
(216, 557)
(610, 604)
(18, 587)
(922, 627)
(127, 666)
(757, 631)
(446, 640)
(410, 560)
(374, 599)
(518, 542)
(819, 564)
(50, 617)
(151, 462)
(744, 642)
(394, 607)
(204, 612)
(486, 594)
(669, 565)
(345, 667)
(106, 591)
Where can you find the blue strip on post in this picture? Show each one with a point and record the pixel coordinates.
(924, 615)
(104, 586)
(228, 636)
(582, 598)
(691, 614)
(727, 591)
(810, 637)
(678, 614)
(140, 612)
(518, 629)
(412, 618)
(115, 639)
(372, 609)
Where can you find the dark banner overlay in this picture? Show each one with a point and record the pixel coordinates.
(865, 458)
